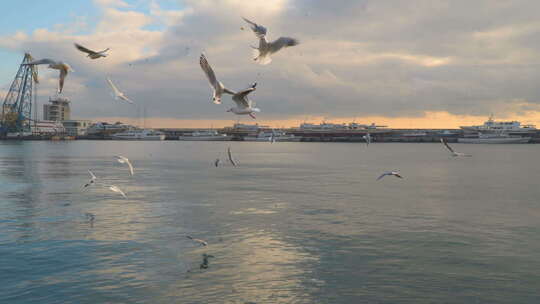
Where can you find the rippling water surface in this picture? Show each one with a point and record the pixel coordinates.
(294, 223)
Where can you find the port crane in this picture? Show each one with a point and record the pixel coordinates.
(16, 115)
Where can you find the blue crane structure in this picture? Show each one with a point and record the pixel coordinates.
(17, 107)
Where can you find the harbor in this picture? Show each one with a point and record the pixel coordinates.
(20, 120)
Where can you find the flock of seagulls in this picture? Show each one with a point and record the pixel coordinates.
(94, 180)
(244, 105)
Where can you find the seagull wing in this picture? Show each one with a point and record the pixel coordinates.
(207, 69)
(397, 175)
(83, 49)
(41, 61)
(130, 166)
(230, 156)
(446, 145)
(62, 78)
(280, 43)
(241, 97)
(93, 176)
(113, 87)
(105, 50)
(382, 175)
(259, 30)
(117, 190)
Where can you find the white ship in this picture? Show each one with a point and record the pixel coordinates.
(272, 136)
(499, 138)
(210, 135)
(507, 127)
(139, 134)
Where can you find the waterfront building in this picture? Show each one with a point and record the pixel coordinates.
(76, 127)
(58, 109)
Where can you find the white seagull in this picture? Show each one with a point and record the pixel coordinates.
(124, 160)
(93, 179)
(394, 173)
(230, 156)
(201, 242)
(367, 138)
(454, 153)
(117, 190)
(117, 93)
(91, 54)
(244, 106)
(217, 86)
(63, 67)
(266, 48)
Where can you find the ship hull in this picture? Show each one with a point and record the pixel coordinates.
(502, 140)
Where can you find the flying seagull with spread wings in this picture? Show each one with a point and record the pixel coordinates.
(63, 67)
(201, 242)
(367, 138)
(244, 105)
(230, 157)
(92, 181)
(215, 84)
(117, 190)
(124, 160)
(452, 152)
(117, 93)
(91, 54)
(266, 48)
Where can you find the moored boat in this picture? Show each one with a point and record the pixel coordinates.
(139, 134)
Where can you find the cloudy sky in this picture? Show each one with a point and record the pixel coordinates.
(404, 63)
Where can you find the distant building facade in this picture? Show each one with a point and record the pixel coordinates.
(58, 109)
(76, 127)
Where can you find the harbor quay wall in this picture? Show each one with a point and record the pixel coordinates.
(345, 135)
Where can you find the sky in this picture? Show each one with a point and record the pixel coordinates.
(401, 63)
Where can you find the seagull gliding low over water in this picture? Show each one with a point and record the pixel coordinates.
(454, 153)
(389, 173)
(124, 160)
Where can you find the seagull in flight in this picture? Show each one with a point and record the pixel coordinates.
(117, 93)
(201, 242)
(91, 54)
(454, 153)
(266, 48)
(117, 190)
(394, 173)
(124, 160)
(367, 138)
(93, 179)
(63, 67)
(244, 106)
(216, 85)
(230, 157)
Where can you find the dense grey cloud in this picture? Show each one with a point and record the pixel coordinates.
(363, 57)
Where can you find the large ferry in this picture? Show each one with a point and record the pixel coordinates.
(139, 134)
(210, 135)
(505, 127)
